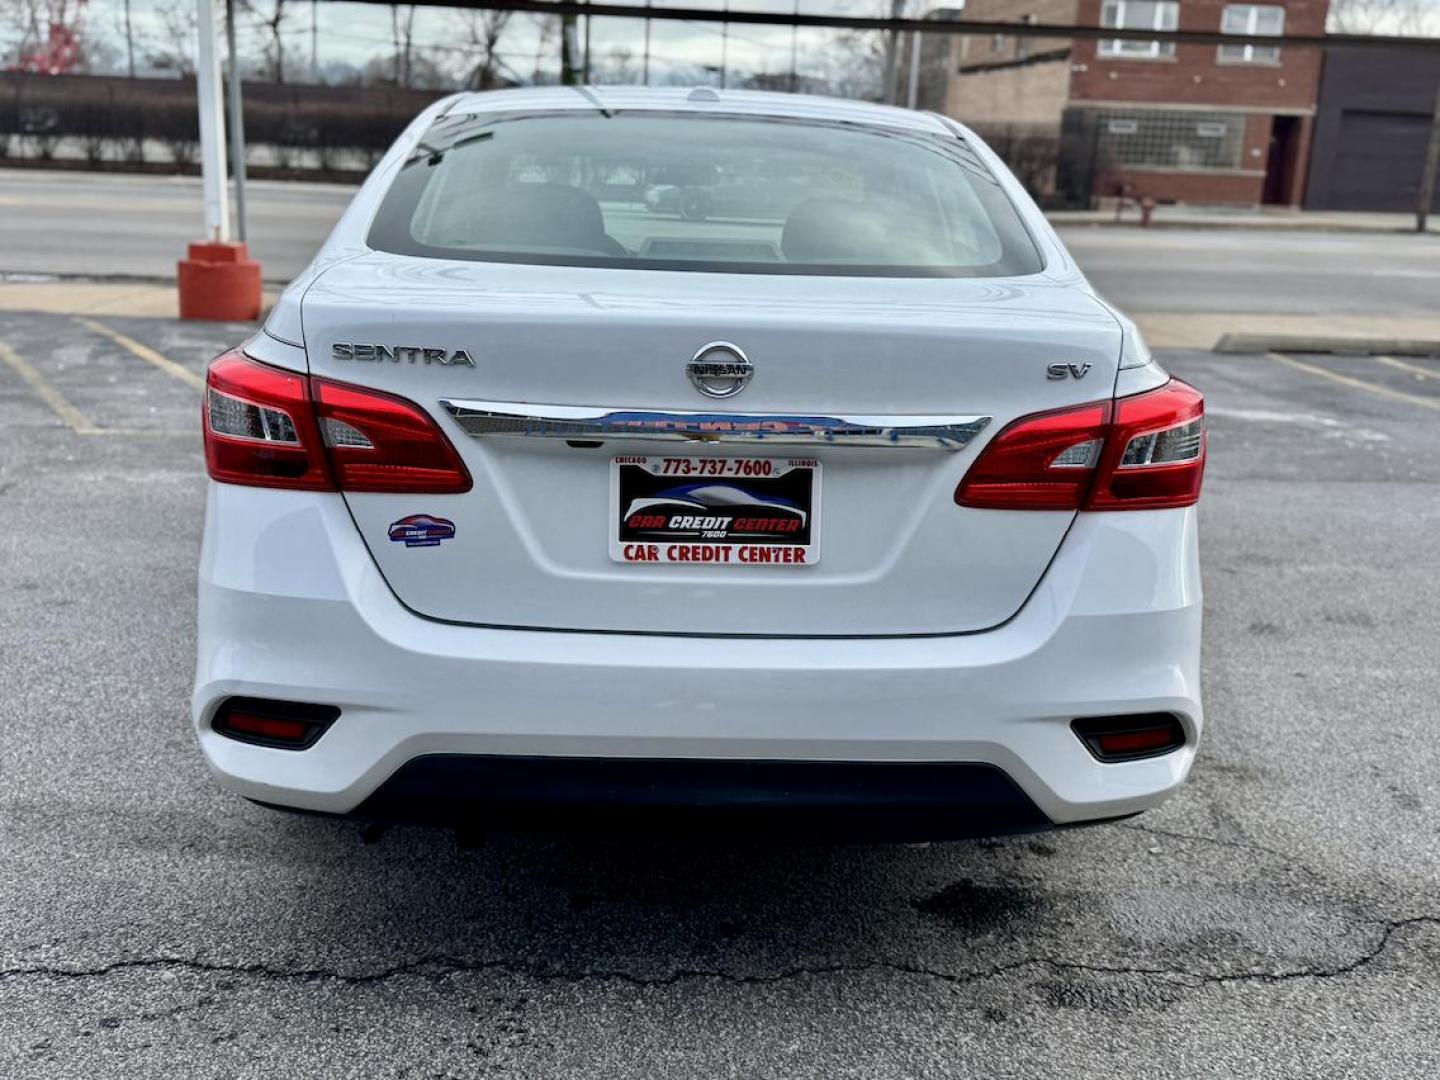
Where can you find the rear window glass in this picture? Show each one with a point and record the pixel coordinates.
(721, 193)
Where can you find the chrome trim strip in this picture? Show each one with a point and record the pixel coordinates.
(484, 419)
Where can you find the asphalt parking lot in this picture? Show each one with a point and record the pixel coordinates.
(1279, 918)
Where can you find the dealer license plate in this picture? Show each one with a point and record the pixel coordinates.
(733, 511)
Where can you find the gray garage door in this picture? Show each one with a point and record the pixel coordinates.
(1379, 161)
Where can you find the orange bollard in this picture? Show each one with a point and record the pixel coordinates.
(219, 282)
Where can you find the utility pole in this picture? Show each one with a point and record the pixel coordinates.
(794, 50)
(217, 279)
(237, 123)
(212, 127)
(724, 44)
(129, 43)
(586, 78)
(645, 78)
(1432, 166)
(912, 97)
(569, 51)
(890, 93)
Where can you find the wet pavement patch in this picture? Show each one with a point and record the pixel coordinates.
(978, 909)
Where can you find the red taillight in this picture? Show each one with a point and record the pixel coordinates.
(377, 442)
(258, 427)
(1155, 456)
(268, 427)
(1040, 462)
(1138, 453)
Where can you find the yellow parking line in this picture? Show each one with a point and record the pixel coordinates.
(1357, 384)
(78, 421)
(1413, 369)
(144, 352)
(143, 433)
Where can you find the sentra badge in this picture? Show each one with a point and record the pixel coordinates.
(401, 354)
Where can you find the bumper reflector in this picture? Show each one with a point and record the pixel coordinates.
(285, 725)
(1129, 738)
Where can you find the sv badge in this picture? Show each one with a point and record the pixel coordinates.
(1056, 372)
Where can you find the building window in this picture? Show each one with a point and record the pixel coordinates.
(1022, 44)
(1171, 139)
(1252, 19)
(1139, 15)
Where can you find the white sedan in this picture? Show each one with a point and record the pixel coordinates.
(848, 506)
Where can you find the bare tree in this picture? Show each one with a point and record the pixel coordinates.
(547, 29)
(129, 43)
(25, 19)
(174, 48)
(480, 32)
(32, 20)
(402, 33)
(618, 67)
(855, 64)
(425, 72)
(1401, 17)
(272, 22)
(102, 56)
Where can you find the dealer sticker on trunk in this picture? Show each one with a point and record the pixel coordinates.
(715, 510)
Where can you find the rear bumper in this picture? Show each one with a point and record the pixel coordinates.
(874, 800)
(292, 607)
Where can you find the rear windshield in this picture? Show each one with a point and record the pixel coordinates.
(674, 191)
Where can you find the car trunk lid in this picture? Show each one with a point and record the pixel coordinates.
(533, 543)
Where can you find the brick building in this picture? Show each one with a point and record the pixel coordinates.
(1177, 122)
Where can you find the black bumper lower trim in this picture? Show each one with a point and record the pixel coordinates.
(869, 800)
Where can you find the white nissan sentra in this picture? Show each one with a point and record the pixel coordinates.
(666, 449)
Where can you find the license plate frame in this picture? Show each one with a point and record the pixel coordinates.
(716, 510)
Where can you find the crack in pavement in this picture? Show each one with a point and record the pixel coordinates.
(1239, 845)
(442, 966)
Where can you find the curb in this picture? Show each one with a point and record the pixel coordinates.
(1250, 226)
(1339, 346)
(65, 277)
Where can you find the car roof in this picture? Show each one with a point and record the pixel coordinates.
(693, 99)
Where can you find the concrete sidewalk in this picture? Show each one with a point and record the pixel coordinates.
(153, 299)
(1256, 217)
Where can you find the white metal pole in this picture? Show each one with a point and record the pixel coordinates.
(212, 126)
(794, 50)
(645, 71)
(237, 120)
(724, 46)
